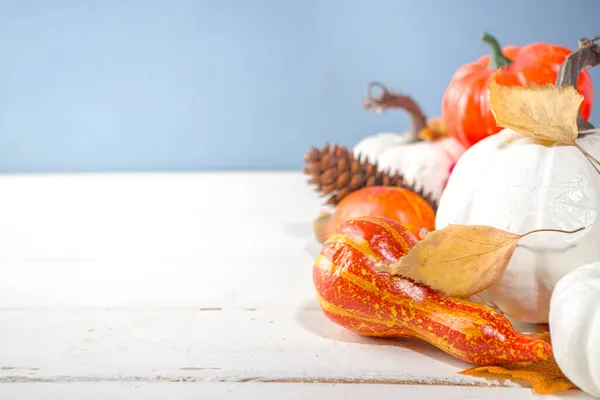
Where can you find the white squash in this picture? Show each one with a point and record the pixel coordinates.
(423, 163)
(514, 183)
(575, 327)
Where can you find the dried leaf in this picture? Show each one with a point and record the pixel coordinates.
(542, 112)
(435, 130)
(460, 260)
(544, 376)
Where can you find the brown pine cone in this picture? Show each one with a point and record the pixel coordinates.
(336, 172)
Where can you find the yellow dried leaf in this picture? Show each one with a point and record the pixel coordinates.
(542, 112)
(459, 260)
(545, 376)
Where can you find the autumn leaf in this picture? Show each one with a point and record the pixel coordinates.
(435, 130)
(545, 376)
(542, 112)
(460, 260)
(547, 113)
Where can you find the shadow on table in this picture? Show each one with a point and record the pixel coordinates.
(312, 319)
(302, 230)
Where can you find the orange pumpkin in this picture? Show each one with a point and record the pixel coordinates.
(401, 205)
(465, 106)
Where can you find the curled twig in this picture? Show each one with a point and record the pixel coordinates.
(378, 85)
(379, 103)
(387, 99)
(585, 42)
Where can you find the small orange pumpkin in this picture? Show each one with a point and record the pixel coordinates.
(398, 204)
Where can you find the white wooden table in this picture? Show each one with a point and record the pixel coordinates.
(187, 286)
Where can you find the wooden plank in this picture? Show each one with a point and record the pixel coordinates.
(253, 390)
(241, 282)
(202, 240)
(113, 281)
(210, 345)
(78, 217)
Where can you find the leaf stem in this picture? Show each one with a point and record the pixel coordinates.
(551, 230)
(585, 153)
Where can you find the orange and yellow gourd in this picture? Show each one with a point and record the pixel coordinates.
(353, 293)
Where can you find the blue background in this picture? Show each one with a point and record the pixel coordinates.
(130, 85)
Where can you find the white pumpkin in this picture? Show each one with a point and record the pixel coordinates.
(517, 184)
(575, 327)
(425, 163)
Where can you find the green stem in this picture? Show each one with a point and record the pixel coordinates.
(498, 60)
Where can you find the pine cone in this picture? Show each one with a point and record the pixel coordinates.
(336, 172)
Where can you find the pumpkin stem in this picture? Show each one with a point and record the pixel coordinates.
(587, 55)
(387, 99)
(497, 59)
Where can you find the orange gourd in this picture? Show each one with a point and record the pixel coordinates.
(398, 204)
(465, 106)
(353, 293)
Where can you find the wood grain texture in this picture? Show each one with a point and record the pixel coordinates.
(228, 345)
(170, 286)
(253, 390)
